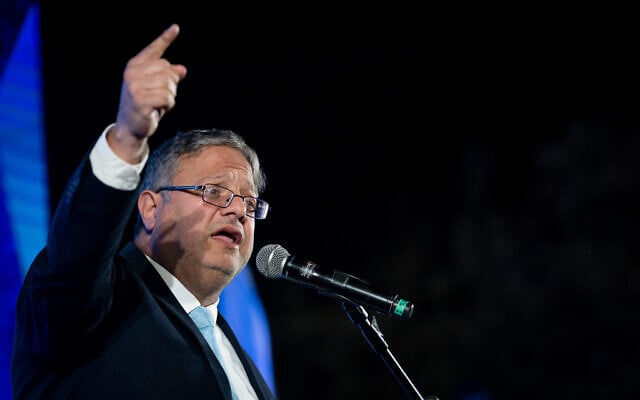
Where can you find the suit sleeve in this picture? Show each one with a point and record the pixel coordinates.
(69, 288)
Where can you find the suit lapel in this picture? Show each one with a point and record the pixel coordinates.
(174, 311)
(254, 375)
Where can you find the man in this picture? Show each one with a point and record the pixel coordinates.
(95, 321)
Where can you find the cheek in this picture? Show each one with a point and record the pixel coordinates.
(186, 223)
(247, 245)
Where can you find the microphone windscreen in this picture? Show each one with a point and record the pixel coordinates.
(271, 260)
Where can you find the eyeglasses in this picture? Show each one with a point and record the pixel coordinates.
(220, 196)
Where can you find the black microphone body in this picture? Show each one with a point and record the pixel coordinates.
(274, 261)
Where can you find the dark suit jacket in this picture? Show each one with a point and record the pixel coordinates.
(96, 322)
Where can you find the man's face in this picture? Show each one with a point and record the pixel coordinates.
(197, 241)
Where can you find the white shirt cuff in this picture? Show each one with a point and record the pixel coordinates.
(111, 169)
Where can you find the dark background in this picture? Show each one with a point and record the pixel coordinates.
(489, 180)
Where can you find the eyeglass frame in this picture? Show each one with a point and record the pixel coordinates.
(202, 188)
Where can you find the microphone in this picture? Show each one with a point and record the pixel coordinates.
(273, 261)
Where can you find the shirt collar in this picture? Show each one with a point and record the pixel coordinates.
(186, 299)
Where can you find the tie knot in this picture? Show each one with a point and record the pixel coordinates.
(202, 317)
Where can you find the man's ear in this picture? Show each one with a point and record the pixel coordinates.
(147, 202)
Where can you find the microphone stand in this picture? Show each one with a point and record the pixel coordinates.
(370, 330)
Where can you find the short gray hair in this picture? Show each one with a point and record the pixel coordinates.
(162, 162)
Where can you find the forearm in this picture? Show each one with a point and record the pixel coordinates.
(69, 288)
(87, 229)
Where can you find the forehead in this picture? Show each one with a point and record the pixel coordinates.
(220, 162)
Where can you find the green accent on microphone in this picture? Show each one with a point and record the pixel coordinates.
(402, 304)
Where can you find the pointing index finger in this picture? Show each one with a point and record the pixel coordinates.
(157, 48)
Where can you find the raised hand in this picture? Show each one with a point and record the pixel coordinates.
(149, 88)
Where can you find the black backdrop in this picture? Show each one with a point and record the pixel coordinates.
(489, 180)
